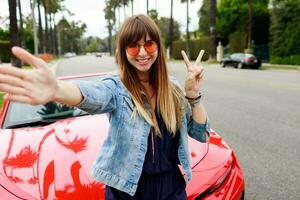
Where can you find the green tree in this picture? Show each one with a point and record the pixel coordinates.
(233, 17)
(164, 26)
(204, 14)
(285, 31)
(70, 35)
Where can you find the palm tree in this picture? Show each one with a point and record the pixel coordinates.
(22, 41)
(187, 26)
(213, 9)
(250, 23)
(147, 7)
(171, 29)
(124, 3)
(41, 36)
(54, 8)
(110, 18)
(131, 1)
(13, 30)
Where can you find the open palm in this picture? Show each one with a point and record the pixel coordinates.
(194, 76)
(33, 86)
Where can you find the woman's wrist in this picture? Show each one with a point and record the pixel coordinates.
(195, 101)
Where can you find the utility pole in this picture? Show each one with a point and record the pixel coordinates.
(35, 38)
(213, 9)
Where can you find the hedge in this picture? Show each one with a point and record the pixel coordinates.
(195, 47)
(4, 51)
(289, 60)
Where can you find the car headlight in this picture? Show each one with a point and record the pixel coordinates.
(218, 183)
(221, 180)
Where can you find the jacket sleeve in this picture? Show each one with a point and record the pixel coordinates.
(98, 96)
(199, 132)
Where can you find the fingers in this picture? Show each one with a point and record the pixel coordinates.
(28, 57)
(199, 58)
(18, 98)
(197, 73)
(12, 80)
(186, 59)
(12, 89)
(12, 71)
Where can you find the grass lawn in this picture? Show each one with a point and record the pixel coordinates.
(1, 99)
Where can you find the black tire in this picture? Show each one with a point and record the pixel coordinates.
(223, 64)
(240, 65)
(243, 195)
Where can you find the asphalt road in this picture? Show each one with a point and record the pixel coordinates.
(256, 112)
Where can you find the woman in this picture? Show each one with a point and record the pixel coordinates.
(150, 118)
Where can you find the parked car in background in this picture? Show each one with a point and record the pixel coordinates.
(241, 60)
(69, 54)
(47, 152)
(98, 54)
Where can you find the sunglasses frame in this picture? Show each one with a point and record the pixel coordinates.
(139, 48)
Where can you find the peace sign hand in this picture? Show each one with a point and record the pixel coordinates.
(194, 75)
(32, 86)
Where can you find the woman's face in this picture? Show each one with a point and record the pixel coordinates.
(142, 54)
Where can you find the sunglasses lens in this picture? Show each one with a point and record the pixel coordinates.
(132, 49)
(150, 47)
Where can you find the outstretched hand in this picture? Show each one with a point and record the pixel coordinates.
(194, 75)
(32, 86)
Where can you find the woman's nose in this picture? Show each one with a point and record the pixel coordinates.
(142, 51)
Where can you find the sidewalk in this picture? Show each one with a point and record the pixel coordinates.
(280, 66)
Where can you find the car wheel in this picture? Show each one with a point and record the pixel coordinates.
(240, 65)
(223, 64)
(243, 196)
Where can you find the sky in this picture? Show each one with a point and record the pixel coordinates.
(91, 12)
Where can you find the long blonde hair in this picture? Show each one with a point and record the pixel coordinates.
(169, 98)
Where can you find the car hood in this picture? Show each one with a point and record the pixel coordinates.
(34, 160)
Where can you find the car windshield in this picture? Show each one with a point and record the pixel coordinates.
(238, 56)
(25, 115)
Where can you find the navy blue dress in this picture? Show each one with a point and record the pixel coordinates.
(161, 178)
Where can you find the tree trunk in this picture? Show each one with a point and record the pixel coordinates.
(250, 15)
(213, 8)
(147, 7)
(110, 37)
(55, 36)
(131, 7)
(21, 32)
(13, 30)
(51, 34)
(187, 30)
(46, 30)
(41, 38)
(171, 30)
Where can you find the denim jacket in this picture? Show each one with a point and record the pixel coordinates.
(120, 161)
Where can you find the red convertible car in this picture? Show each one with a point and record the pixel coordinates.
(46, 152)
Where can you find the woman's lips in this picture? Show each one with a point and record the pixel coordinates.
(143, 61)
